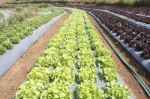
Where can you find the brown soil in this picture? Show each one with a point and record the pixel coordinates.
(9, 83)
(3, 1)
(130, 81)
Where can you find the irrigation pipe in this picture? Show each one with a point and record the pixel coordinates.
(133, 72)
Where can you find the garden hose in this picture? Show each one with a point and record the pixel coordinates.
(133, 72)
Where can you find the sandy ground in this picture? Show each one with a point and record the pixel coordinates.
(130, 81)
(10, 81)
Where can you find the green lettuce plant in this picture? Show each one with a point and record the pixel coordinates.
(89, 90)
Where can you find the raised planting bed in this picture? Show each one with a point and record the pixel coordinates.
(138, 23)
(137, 15)
(74, 66)
(17, 50)
(135, 39)
(136, 10)
(13, 34)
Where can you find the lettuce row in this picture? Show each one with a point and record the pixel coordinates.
(113, 90)
(13, 34)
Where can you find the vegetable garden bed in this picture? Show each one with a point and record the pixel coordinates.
(141, 14)
(73, 65)
(24, 30)
(13, 34)
(135, 39)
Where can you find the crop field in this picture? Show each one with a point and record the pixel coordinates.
(74, 49)
(12, 34)
(128, 32)
(121, 2)
(62, 64)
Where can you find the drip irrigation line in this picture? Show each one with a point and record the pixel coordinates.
(133, 72)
